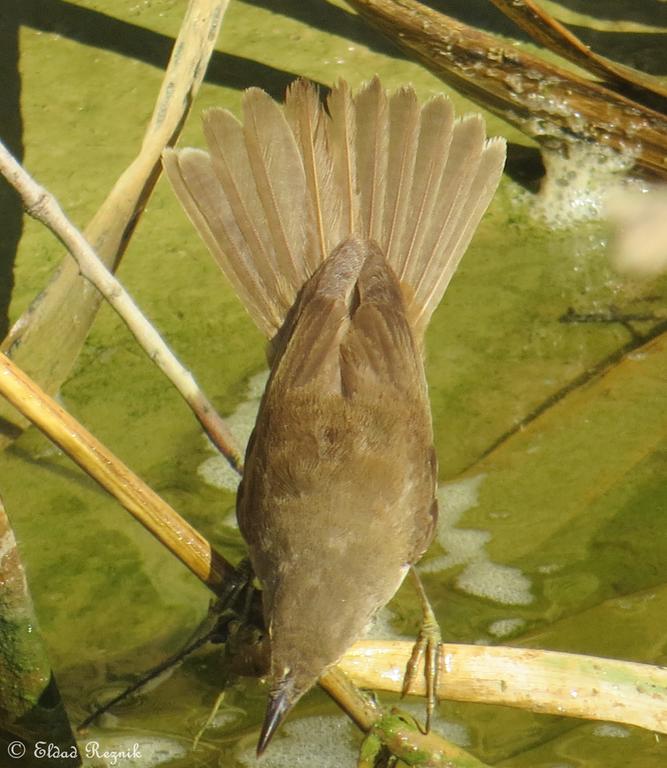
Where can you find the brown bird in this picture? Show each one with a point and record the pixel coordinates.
(339, 230)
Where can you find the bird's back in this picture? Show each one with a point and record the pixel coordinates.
(340, 479)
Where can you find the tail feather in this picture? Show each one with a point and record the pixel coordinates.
(404, 115)
(231, 165)
(480, 193)
(463, 159)
(465, 150)
(372, 141)
(435, 135)
(280, 180)
(279, 193)
(307, 118)
(341, 130)
(198, 188)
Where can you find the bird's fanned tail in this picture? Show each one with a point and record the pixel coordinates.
(277, 194)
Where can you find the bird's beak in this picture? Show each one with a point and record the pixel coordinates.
(280, 703)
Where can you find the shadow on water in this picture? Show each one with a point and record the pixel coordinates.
(11, 133)
(652, 12)
(97, 29)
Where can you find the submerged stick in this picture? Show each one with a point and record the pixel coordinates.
(42, 205)
(31, 707)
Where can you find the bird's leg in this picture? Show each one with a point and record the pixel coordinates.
(426, 648)
(236, 602)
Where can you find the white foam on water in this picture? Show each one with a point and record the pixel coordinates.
(506, 627)
(325, 741)
(611, 731)
(464, 546)
(130, 751)
(577, 183)
(332, 741)
(216, 471)
(500, 583)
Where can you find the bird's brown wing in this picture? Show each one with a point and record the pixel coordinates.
(347, 345)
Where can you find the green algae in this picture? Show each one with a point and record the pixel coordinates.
(111, 602)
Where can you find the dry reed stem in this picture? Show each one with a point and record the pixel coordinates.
(168, 527)
(551, 682)
(546, 30)
(551, 104)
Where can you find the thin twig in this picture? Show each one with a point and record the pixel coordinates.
(47, 338)
(170, 663)
(42, 205)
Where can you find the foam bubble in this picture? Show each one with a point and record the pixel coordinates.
(500, 583)
(506, 627)
(611, 731)
(330, 738)
(216, 471)
(462, 545)
(466, 546)
(130, 750)
(577, 183)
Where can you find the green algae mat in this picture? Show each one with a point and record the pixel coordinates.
(548, 379)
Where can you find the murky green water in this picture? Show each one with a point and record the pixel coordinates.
(556, 539)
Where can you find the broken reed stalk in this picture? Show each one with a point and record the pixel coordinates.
(46, 340)
(401, 736)
(31, 708)
(549, 32)
(41, 205)
(552, 105)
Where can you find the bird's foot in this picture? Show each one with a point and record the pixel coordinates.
(426, 650)
(238, 602)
